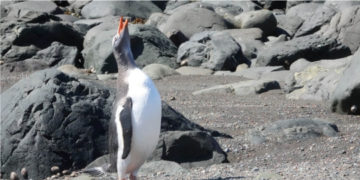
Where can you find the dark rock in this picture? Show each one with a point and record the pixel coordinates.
(84, 25)
(50, 119)
(55, 55)
(321, 16)
(269, 4)
(189, 21)
(148, 46)
(97, 9)
(346, 96)
(311, 47)
(216, 51)
(291, 130)
(20, 9)
(189, 148)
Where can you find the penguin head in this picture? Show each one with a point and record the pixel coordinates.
(121, 41)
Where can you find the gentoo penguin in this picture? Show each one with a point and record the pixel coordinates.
(135, 124)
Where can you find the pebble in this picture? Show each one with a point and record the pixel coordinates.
(55, 169)
(24, 173)
(65, 172)
(13, 176)
(73, 174)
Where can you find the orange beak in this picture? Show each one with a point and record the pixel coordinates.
(122, 25)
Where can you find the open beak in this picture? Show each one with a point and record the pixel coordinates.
(122, 25)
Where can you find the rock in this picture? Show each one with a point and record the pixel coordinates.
(24, 173)
(188, 70)
(303, 10)
(292, 130)
(289, 24)
(211, 50)
(250, 40)
(346, 96)
(273, 40)
(14, 176)
(148, 46)
(241, 67)
(316, 81)
(39, 111)
(158, 20)
(19, 53)
(22, 8)
(311, 47)
(189, 148)
(55, 169)
(97, 9)
(322, 15)
(55, 55)
(299, 65)
(158, 71)
(189, 21)
(84, 25)
(167, 168)
(269, 175)
(263, 19)
(77, 5)
(67, 18)
(242, 88)
(343, 26)
(278, 76)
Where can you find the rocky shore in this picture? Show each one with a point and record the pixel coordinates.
(250, 89)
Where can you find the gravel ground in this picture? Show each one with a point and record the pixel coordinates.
(316, 158)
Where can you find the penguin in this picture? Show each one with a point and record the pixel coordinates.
(134, 128)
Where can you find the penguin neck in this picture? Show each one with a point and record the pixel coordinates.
(125, 61)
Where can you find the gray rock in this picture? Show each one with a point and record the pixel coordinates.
(242, 88)
(39, 111)
(189, 148)
(75, 72)
(167, 168)
(290, 24)
(77, 5)
(346, 96)
(299, 65)
(159, 71)
(98, 8)
(19, 53)
(263, 19)
(311, 47)
(216, 51)
(316, 81)
(188, 70)
(20, 9)
(291, 130)
(84, 25)
(303, 10)
(321, 16)
(343, 26)
(148, 46)
(158, 20)
(278, 76)
(189, 21)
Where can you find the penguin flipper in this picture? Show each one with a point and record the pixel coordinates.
(126, 124)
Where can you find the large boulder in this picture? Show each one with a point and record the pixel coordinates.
(189, 148)
(148, 46)
(315, 80)
(322, 15)
(212, 50)
(20, 9)
(303, 10)
(289, 24)
(188, 21)
(311, 47)
(292, 130)
(346, 96)
(344, 26)
(98, 8)
(50, 119)
(55, 55)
